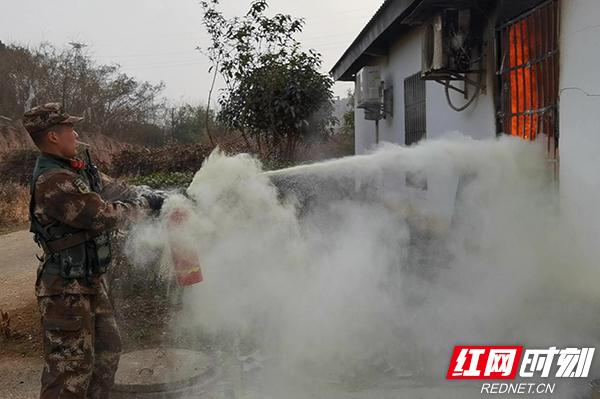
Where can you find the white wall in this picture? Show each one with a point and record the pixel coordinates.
(403, 61)
(579, 108)
(477, 121)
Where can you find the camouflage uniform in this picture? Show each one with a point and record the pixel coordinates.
(81, 338)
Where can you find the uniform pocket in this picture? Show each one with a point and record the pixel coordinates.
(64, 338)
(73, 262)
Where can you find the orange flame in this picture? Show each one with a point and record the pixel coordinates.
(523, 81)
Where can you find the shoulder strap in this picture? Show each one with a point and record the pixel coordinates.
(43, 164)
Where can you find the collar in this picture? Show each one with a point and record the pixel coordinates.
(74, 163)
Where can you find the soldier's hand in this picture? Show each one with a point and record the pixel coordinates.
(155, 200)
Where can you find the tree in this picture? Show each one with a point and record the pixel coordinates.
(187, 123)
(110, 101)
(348, 118)
(274, 91)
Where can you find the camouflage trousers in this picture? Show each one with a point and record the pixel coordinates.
(81, 346)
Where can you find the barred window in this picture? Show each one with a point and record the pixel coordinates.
(414, 109)
(528, 70)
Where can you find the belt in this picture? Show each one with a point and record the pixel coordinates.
(55, 270)
(60, 244)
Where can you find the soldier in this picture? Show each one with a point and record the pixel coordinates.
(72, 210)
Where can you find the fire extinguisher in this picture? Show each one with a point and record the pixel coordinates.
(186, 264)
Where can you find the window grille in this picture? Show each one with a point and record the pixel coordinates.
(528, 71)
(414, 109)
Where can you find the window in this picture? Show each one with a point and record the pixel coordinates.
(528, 73)
(414, 109)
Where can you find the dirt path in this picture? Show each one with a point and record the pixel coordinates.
(17, 269)
(20, 361)
(143, 317)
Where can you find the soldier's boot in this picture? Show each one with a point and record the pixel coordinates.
(68, 349)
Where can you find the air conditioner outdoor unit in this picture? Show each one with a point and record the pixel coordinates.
(368, 88)
(447, 45)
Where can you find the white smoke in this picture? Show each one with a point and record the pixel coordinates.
(371, 273)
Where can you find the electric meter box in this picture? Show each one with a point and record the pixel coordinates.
(368, 87)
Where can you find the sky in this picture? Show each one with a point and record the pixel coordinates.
(155, 40)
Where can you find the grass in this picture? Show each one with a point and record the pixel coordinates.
(14, 206)
(162, 180)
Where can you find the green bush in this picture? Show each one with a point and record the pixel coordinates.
(161, 180)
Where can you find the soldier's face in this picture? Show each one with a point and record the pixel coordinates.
(65, 140)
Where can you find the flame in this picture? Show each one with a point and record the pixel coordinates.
(524, 93)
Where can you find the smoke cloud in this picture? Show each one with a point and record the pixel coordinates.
(369, 268)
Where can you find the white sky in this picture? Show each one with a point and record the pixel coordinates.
(154, 40)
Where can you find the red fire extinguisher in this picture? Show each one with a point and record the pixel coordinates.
(186, 263)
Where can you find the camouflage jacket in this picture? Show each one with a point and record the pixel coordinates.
(60, 196)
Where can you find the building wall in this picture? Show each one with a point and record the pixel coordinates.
(579, 108)
(404, 60)
(477, 121)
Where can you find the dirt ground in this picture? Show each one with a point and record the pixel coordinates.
(143, 317)
(20, 355)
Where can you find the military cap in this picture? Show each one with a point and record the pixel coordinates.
(45, 116)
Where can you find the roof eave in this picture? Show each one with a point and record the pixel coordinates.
(391, 12)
